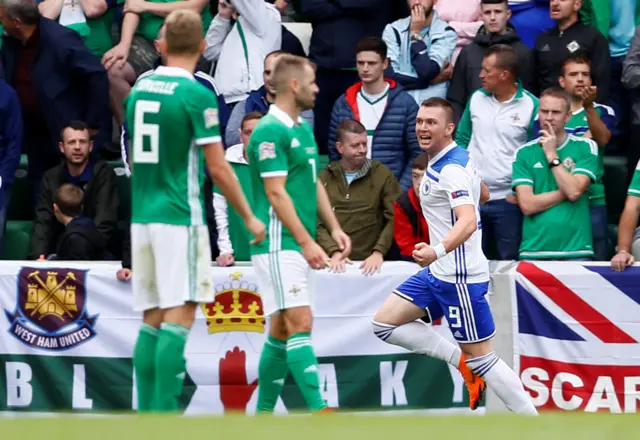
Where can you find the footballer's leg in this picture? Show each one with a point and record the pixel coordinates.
(297, 292)
(473, 327)
(273, 367)
(145, 295)
(400, 321)
(184, 280)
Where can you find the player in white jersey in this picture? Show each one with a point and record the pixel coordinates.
(455, 278)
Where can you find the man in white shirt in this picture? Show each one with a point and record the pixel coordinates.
(498, 119)
(239, 47)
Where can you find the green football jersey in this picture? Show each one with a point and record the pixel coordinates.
(634, 187)
(578, 126)
(170, 116)
(563, 231)
(280, 147)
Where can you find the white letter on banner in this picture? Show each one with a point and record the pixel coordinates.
(392, 384)
(527, 377)
(19, 390)
(79, 399)
(631, 393)
(557, 394)
(604, 396)
(329, 384)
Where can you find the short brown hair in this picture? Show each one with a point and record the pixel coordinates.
(557, 92)
(421, 162)
(576, 58)
(251, 116)
(183, 32)
(288, 66)
(506, 58)
(349, 126)
(440, 103)
(69, 198)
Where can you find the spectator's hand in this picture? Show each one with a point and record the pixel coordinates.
(343, 241)
(42, 258)
(445, 74)
(257, 229)
(588, 95)
(225, 10)
(418, 19)
(512, 198)
(424, 254)
(116, 57)
(549, 142)
(621, 261)
(372, 264)
(225, 260)
(135, 6)
(281, 5)
(124, 274)
(315, 256)
(338, 263)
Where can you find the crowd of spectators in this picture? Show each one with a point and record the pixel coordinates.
(544, 92)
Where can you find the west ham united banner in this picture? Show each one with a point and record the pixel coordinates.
(577, 336)
(67, 335)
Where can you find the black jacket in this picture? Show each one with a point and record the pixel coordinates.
(69, 80)
(466, 73)
(339, 24)
(81, 241)
(100, 205)
(552, 48)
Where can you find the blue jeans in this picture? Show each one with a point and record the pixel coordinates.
(600, 232)
(502, 223)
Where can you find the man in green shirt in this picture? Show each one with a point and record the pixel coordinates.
(135, 53)
(287, 197)
(551, 176)
(173, 123)
(594, 121)
(233, 237)
(628, 249)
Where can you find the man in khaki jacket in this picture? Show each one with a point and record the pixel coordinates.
(362, 192)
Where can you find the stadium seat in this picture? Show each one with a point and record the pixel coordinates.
(17, 239)
(615, 186)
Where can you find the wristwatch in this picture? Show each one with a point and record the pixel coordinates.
(554, 163)
(416, 37)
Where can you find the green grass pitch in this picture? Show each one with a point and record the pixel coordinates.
(573, 426)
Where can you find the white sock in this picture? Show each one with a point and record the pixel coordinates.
(420, 338)
(504, 382)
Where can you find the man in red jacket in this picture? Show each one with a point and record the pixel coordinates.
(409, 225)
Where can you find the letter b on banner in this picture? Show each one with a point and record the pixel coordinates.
(19, 389)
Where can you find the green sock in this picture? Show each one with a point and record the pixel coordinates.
(144, 355)
(272, 372)
(170, 365)
(304, 368)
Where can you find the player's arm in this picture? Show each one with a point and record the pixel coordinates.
(531, 203)
(329, 219)
(465, 225)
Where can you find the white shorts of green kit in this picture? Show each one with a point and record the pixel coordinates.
(171, 265)
(285, 281)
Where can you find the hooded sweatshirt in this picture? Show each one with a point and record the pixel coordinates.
(466, 73)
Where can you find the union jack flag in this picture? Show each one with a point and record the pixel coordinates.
(577, 336)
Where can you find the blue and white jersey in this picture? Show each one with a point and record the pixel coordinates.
(451, 180)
